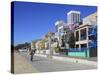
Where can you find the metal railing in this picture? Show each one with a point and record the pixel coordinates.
(77, 49)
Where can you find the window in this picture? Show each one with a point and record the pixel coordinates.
(77, 35)
(83, 34)
(77, 46)
(83, 45)
(78, 17)
(60, 30)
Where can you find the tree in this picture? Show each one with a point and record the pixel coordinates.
(71, 41)
(24, 45)
(27, 45)
(41, 45)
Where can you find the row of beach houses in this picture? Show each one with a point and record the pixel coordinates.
(85, 33)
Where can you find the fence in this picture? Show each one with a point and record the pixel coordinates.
(77, 49)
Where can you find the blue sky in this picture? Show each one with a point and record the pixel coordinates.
(33, 20)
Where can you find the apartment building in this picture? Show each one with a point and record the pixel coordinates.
(86, 35)
(60, 32)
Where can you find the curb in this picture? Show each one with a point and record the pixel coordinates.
(74, 60)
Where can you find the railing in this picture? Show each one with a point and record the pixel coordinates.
(77, 49)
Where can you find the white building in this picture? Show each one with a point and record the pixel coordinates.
(60, 31)
(73, 17)
(82, 32)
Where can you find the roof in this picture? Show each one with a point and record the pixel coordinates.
(73, 11)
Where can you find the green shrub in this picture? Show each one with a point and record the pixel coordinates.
(57, 49)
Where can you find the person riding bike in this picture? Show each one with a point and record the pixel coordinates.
(32, 52)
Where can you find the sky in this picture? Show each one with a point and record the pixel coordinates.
(33, 20)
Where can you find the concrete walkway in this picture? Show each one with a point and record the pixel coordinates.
(71, 59)
(44, 64)
(21, 65)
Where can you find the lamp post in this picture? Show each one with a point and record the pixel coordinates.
(50, 52)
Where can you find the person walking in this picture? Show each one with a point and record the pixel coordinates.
(32, 52)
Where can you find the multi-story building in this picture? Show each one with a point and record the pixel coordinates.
(60, 32)
(47, 36)
(85, 33)
(86, 36)
(73, 17)
(37, 45)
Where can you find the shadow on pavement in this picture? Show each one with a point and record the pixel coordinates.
(35, 60)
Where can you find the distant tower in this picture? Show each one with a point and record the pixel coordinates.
(73, 17)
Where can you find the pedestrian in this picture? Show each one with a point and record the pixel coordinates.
(32, 52)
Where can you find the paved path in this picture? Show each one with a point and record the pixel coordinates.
(21, 65)
(41, 64)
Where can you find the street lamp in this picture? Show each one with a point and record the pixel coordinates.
(50, 41)
(50, 50)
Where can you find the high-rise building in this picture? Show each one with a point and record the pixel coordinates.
(73, 17)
